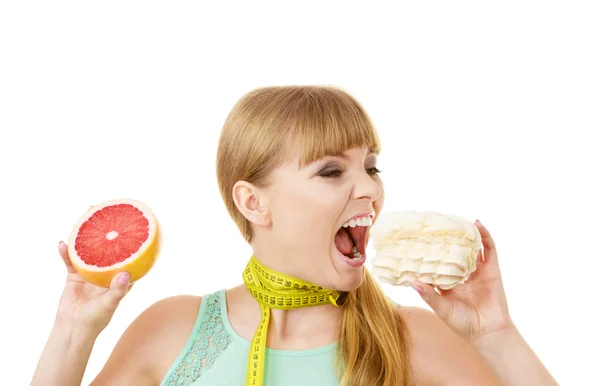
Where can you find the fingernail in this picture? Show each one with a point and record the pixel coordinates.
(417, 288)
(124, 279)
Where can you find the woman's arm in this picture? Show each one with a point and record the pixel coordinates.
(512, 360)
(477, 311)
(65, 356)
(142, 355)
(439, 356)
(84, 310)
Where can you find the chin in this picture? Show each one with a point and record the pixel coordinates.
(347, 274)
(350, 281)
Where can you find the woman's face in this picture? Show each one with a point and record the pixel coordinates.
(307, 209)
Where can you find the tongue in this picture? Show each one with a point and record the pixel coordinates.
(343, 242)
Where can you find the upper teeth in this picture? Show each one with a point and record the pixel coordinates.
(361, 221)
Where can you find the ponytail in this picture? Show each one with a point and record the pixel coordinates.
(374, 345)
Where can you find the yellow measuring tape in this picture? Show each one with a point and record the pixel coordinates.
(276, 290)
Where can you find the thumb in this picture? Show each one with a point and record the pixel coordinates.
(438, 304)
(119, 286)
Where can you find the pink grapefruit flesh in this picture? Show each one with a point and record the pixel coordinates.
(113, 237)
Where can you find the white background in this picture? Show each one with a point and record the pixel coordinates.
(489, 111)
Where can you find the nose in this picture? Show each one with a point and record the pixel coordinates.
(366, 187)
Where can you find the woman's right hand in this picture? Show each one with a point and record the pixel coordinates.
(84, 305)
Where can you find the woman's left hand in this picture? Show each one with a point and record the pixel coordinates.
(477, 307)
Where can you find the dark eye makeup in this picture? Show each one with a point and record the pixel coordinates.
(337, 172)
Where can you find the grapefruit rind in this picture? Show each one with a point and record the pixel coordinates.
(138, 264)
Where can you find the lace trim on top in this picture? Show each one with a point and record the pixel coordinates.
(208, 340)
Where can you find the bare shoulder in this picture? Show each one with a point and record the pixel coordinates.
(439, 356)
(152, 342)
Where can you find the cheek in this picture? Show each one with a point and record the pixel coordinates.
(309, 213)
(295, 210)
(378, 204)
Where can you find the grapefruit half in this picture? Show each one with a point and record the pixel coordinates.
(113, 237)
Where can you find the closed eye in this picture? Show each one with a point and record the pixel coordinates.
(331, 174)
(373, 171)
(338, 173)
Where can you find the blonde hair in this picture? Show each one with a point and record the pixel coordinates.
(266, 128)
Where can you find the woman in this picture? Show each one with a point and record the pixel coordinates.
(294, 165)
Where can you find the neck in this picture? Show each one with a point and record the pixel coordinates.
(297, 328)
(312, 327)
(301, 328)
(280, 261)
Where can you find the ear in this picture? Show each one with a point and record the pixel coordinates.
(251, 203)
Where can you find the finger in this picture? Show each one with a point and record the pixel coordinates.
(119, 286)
(437, 302)
(480, 256)
(63, 251)
(489, 245)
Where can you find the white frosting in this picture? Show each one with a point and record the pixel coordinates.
(435, 248)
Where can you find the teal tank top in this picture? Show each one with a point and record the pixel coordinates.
(215, 355)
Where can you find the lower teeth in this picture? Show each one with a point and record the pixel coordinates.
(356, 253)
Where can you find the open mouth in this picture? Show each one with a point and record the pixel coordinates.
(350, 240)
